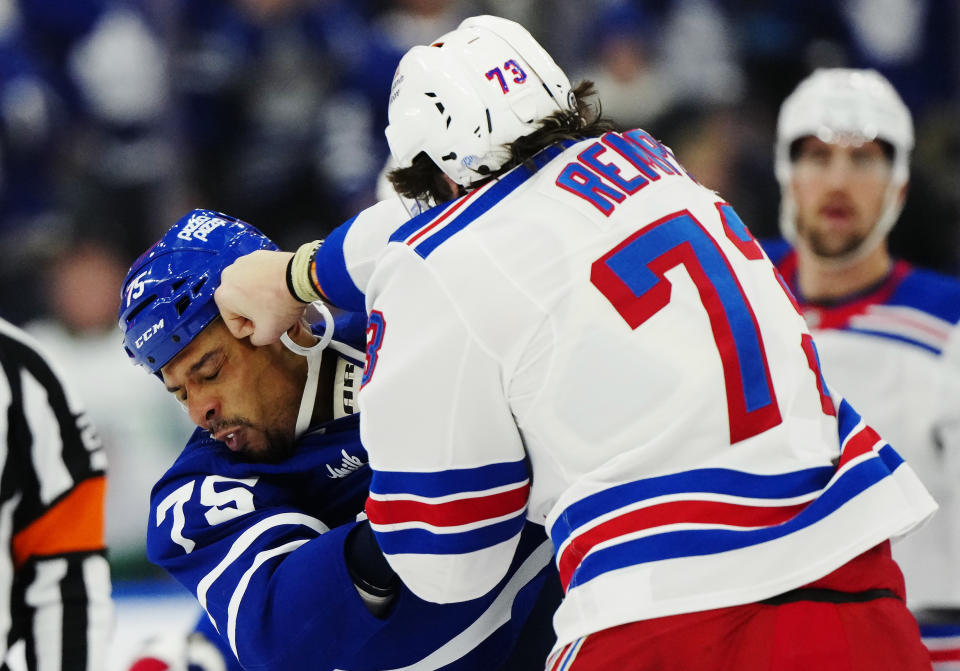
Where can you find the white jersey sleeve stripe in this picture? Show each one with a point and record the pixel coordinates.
(246, 539)
(454, 496)
(396, 541)
(913, 318)
(234, 606)
(902, 323)
(496, 615)
(475, 508)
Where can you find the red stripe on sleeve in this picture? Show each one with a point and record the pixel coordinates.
(675, 512)
(861, 443)
(449, 513)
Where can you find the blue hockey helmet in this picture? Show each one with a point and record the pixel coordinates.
(167, 296)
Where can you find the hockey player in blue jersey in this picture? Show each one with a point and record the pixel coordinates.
(258, 515)
(888, 332)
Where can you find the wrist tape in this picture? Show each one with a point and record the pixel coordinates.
(301, 273)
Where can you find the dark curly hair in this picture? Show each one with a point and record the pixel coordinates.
(424, 180)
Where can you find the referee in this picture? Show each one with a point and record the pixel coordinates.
(54, 576)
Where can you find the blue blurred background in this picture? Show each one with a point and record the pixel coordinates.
(117, 116)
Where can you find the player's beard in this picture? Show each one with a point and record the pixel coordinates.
(829, 245)
(279, 446)
(278, 435)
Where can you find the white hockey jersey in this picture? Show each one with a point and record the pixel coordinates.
(602, 347)
(894, 351)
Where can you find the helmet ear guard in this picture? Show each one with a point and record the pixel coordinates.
(840, 105)
(474, 90)
(167, 295)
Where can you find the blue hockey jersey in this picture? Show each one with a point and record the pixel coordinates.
(261, 546)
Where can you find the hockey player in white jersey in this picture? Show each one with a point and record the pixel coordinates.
(887, 331)
(581, 334)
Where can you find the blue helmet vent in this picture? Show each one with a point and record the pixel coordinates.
(182, 305)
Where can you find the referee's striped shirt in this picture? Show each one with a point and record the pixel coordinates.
(54, 576)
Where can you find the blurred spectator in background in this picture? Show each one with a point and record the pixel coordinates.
(83, 139)
(119, 154)
(250, 78)
(54, 576)
(279, 103)
(28, 123)
(635, 94)
(105, 61)
(406, 23)
(140, 430)
(701, 58)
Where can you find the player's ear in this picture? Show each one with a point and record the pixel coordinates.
(902, 196)
(301, 333)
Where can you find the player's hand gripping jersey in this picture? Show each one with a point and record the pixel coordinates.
(262, 547)
(713, 467)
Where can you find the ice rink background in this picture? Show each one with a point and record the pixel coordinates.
(145, 609)
(141, 610)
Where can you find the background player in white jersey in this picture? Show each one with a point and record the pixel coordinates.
(585, 336)
(257, 516)
(887, 331)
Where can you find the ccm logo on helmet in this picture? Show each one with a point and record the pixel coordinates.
(149, 333)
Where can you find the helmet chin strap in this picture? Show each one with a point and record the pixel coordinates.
(314, 355)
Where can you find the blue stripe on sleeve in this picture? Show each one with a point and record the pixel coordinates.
(497, 192)
(688, 543)
(332, 272)
(898, 338)
(930, 291)
(890, 457)
(453, 481)
(847, 420)
(422, 541)
(419, 221)
(707, 480)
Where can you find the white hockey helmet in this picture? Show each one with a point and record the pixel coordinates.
(472, 91)
(842, 105)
